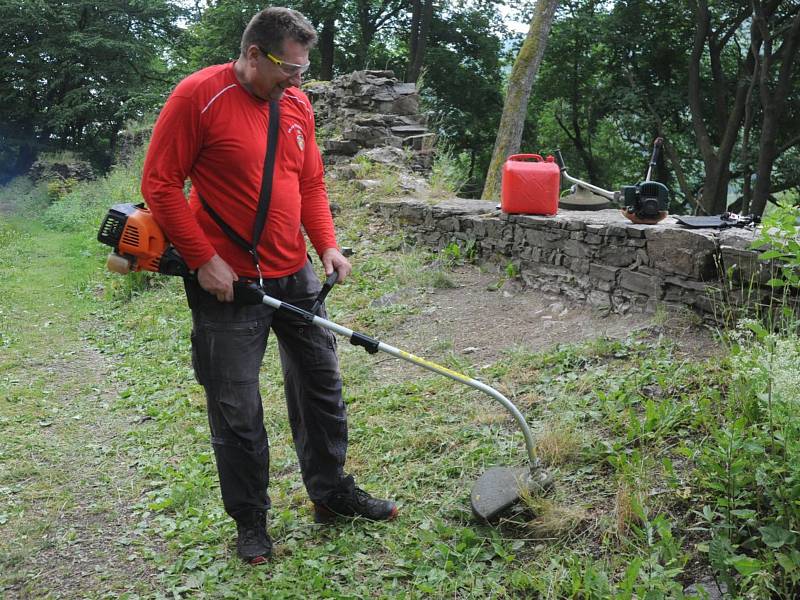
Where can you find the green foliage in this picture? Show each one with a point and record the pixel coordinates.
(449, 173)
(25, 198)
(614, 76)
(512, 270)
(58, 188)
(462, 87)
(750, 468)
(215, 38)
(572, 69)
(73, 72)
(779, 234)
(457, 252)
(452, 253)
(83, 207)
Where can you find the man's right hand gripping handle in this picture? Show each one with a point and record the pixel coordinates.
(216, 277)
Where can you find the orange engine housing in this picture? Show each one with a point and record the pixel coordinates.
(143, 239)
(135, 237)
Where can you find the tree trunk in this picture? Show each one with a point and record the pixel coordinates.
(584, 152)
(680, 175)
(366, 32)
(25, 158)
(413, 41)
(420, 26)
(509, 133)
(773, 101)
(714, 198)
(746, 129)
(717, 152)
(327, 48)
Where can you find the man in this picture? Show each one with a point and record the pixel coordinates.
(213, 130)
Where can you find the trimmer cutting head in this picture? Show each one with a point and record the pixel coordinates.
(499, 488)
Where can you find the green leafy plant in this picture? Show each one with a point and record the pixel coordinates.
(58, 188)
(779, 234)
(512, 270)
(451, 254)
(751, 467)
(449, 172)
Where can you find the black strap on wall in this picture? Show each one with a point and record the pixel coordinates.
(263, 197)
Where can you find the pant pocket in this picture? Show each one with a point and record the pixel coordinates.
(229, 352)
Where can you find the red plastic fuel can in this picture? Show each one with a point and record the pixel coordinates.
(530, 185)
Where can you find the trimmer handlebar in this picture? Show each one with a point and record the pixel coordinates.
(247, 293)
(252, 293)
(654, 159)
(326, 287)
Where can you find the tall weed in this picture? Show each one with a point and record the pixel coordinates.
(749, 467)
(83, 207)
(449, 174)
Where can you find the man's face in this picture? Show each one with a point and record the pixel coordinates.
(278, 71)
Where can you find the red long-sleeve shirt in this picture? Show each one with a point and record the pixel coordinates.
(214, 132)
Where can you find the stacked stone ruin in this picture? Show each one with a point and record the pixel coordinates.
(365, 110)
(63, 169)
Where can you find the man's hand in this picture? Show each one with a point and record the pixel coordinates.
(216, 277)
(333, 260)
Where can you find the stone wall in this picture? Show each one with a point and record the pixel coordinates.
(598, 257)
(370, 109)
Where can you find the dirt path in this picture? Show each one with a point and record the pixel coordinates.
(89, 546)
(66, 487)
(480, 320)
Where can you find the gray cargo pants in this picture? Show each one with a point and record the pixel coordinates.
(228, 345)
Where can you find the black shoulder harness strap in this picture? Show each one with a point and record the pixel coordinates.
(263, 197)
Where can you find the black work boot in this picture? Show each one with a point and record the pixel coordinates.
(352, 501)
(253, 545)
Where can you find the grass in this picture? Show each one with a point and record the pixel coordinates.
(108, 474)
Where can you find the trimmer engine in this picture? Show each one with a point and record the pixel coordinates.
(647, 200)
(138, 242)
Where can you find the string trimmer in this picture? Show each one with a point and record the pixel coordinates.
(139, 245)
(646, 202)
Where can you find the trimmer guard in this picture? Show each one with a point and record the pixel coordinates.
(499, 488)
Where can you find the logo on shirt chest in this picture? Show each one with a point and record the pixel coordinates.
(295, 129)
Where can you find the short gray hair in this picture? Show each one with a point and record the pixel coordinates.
(269, 28)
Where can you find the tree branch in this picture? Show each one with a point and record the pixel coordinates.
(695, 103)
(564, 128)
(789, 144)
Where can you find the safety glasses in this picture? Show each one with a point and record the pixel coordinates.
(290, 69)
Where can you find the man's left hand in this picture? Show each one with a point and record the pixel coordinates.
(333, 260)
